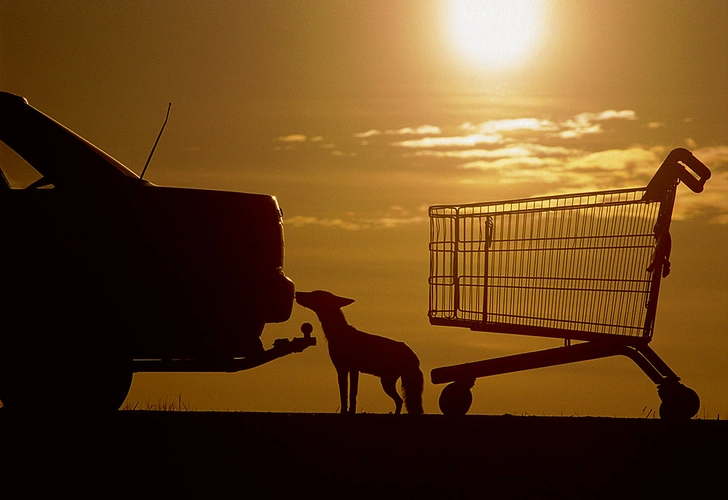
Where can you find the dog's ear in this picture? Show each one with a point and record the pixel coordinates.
(343, 301)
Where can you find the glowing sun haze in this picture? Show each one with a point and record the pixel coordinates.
(495, 33)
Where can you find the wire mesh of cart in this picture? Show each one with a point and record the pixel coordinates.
(580, 267)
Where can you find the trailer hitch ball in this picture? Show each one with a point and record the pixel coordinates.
(306, 329)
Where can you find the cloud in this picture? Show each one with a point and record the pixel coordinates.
(611, 114)
(588, 118)
(712, 203)
(454, 141)
(368, 133)
(292, 142)
(533, 157)
(583, 123)
(395, 217)
(575, 131)
(716, 157)
(608, 169)
(293, 138)
(507, 130)
(513, 151)
(579, 171)
(512, 125)
(306, 220)
(517, 170)
(476, 153)
(624, 162)
(503, 164)
(421, 130)
(580, 124)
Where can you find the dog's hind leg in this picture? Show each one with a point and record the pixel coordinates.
(353, 390)
(389, 384)
(343, 376)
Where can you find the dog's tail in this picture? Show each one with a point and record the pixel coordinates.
(413, 383)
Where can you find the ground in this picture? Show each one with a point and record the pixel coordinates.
(179, 454)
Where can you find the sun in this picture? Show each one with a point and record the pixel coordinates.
(495, 34)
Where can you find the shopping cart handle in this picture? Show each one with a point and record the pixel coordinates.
(673, 170)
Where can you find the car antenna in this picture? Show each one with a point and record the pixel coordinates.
(155, 142)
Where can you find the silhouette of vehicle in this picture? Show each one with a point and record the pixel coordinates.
(106, 274)
(584, 267)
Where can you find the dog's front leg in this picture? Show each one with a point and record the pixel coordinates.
(342, 376)
(353, 390)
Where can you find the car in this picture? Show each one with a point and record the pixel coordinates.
(106, 274)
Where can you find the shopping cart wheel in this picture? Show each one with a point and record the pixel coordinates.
(678, 402)
(456, 398)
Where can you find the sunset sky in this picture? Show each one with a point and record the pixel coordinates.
(359, 115)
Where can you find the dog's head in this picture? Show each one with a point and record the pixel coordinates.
(321, 301)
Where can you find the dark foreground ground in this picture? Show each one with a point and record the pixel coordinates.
(208, 455)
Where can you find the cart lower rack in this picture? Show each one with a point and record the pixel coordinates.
(581, 267)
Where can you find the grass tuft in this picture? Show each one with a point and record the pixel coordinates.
(161, 405)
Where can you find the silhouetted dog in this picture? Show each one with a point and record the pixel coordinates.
(353, 351)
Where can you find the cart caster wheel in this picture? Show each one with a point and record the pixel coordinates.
(678, 402)
(455, 399)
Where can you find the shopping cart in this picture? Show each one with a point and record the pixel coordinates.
(580, 267)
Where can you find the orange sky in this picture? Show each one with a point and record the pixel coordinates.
(358, 115)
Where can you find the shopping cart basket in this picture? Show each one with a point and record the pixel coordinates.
(580, 267)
